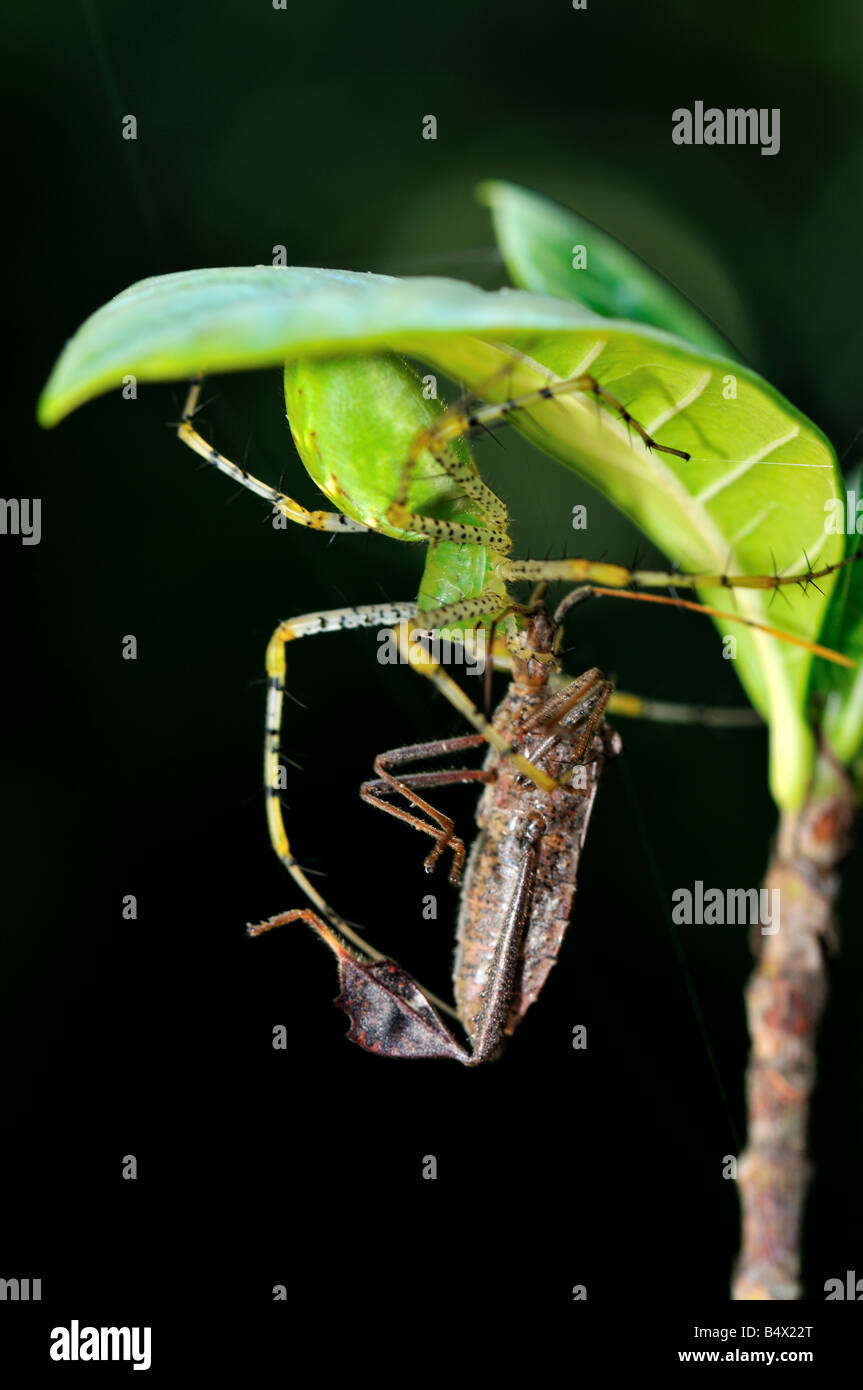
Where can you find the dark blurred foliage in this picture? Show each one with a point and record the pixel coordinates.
(256, 128)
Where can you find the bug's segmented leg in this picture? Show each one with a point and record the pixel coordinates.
(590, 693)
(296, 914)
(590, 590)
(442, 827)
(460, 420)
(294, 511)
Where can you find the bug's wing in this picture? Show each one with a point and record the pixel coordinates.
(389, 1014)
(492, 881)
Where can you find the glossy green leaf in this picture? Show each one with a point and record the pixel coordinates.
(537, 238)
(843, 690)
(754, 491)
(175, 326)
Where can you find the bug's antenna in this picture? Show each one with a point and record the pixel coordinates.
(577, 595)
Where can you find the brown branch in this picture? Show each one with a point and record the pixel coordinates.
(784, 999)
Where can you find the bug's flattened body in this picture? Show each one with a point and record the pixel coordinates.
(509, 811)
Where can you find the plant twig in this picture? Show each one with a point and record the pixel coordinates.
(784, 999)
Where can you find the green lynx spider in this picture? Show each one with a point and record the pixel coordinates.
(423, 486)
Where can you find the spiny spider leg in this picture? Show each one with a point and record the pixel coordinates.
(294, 511)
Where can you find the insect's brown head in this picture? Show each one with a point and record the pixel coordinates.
(534, 656)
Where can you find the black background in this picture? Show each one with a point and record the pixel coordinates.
(303, 1167)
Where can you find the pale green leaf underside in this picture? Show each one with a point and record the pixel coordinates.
(754, 489)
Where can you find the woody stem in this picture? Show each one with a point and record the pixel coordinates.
(784, 1000)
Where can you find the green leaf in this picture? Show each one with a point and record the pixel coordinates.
(175, 326)
(843, 690)
(755, 488)
(538, 237)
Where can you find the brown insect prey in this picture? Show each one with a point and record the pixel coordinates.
(521, 873)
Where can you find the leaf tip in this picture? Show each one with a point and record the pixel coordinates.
(486, 192)
(49, 410)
